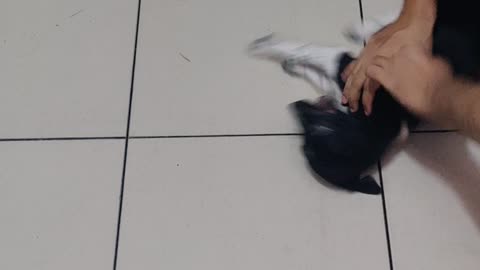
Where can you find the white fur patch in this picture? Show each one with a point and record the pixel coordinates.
(403, 134)
(317, 65)
(323, 58)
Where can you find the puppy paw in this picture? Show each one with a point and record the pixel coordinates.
(258, 46)
(354, 33)
(293, 67)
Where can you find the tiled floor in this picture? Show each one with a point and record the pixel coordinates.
(176, 151)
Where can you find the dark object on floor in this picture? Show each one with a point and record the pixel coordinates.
(341, 146)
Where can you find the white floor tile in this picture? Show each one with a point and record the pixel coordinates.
(59, 204)
(194, 76)
(241, 203)
(433, 203)
(373, 8)
(66, 67)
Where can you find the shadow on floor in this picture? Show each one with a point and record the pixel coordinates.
(450, 157)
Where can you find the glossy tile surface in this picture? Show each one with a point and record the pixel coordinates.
(433, 204)
(66, 67)
(59, 204)
(241, 203)
(194, 76)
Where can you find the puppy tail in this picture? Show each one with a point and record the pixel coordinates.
(366, 185)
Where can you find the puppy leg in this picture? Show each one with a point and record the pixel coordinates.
(317, 79)
(325, 60)
(269, 47)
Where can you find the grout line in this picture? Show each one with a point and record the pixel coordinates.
(379, 168)
(217, 136)
(434, 131)
(385, 216)
(61, 139)
(124, 169)
(360, 5)
(292, 134)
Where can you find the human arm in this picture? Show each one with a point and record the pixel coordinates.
(463, 112)
(425, 86)
(414, 26)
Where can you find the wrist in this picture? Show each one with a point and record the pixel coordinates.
(441, 108)
(452, 111)
(465, 107)
(419, 14)
(462, 112)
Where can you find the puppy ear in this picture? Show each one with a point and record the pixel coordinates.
(303, 111)
(313, 118)
(366, 185)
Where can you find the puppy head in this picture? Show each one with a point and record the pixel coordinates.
(335, 131)
(338, 146)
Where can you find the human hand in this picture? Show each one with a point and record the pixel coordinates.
(420, 82)
(385, 43)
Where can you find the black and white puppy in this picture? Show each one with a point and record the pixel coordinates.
(342, 146)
